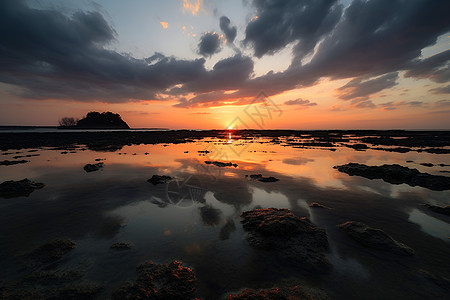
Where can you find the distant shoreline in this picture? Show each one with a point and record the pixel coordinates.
(59, 128)
(111, 140)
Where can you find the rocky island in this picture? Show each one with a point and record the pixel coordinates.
(95, 120)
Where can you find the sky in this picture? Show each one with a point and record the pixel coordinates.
(193, 64)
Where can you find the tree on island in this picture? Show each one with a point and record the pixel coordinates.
(68, 122)
(96, 120)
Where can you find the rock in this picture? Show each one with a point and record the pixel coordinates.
(437, 150)
(358, 147)
(374, 238)
(12, 162)
(159, 179)
(445, 210)
(221, 164)
(427, 165)
(93, 167)
(24, 187)
(268, 179)
(154, 281)
(397, 174)
(293, 238)
(398, 149)
(121, 246)
(51, 251)
(255, 176)
(279, 293)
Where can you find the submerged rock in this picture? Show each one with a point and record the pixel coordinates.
(24, 187)
(159, 179)
(293, 238)
(397, 174)
(445, 210)
(12, 162)
(93, 167)
(279, 293)
(268, 179)
(154, 281)
(121, 246)
(51, 251)
(374, 238)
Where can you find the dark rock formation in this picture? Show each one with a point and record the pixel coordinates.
(358, 147)
(268, 179)
(107, 120)
(93, 167)
(374, 238)
(12, 162)
(279, 293)
(437, 150)
(398, 149)
(220, 164)
(293, 238)
(427, 165)
(445, 210)
(171, 281)
(159, 179)
(24, 187)
(121, 246)
(397, 174)
(51, 251)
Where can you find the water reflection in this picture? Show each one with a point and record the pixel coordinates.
(196, 217)
(430, 225)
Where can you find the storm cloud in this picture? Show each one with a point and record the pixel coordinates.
(280, 23)
(229, 31)
(45, 53)
(361, 89)
(209, 44)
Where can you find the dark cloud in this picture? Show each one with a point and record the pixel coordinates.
(442, 103)
(48, 54)
(300, 102)
(435, 68)
(380, 36)
(229, 31)
(398, 104)
(51, 55)
(209, 44)
(280, 23)
(227, 74)
(361, 89)
(441, 90)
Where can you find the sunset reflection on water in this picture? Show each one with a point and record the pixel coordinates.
(196, 218)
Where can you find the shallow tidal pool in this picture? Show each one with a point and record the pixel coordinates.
(195, 218)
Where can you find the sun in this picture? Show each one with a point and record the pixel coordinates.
(229, 127)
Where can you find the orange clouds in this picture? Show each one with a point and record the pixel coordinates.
(192, 6)
(165, 25)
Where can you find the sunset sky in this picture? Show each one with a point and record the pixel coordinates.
(325, 64)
